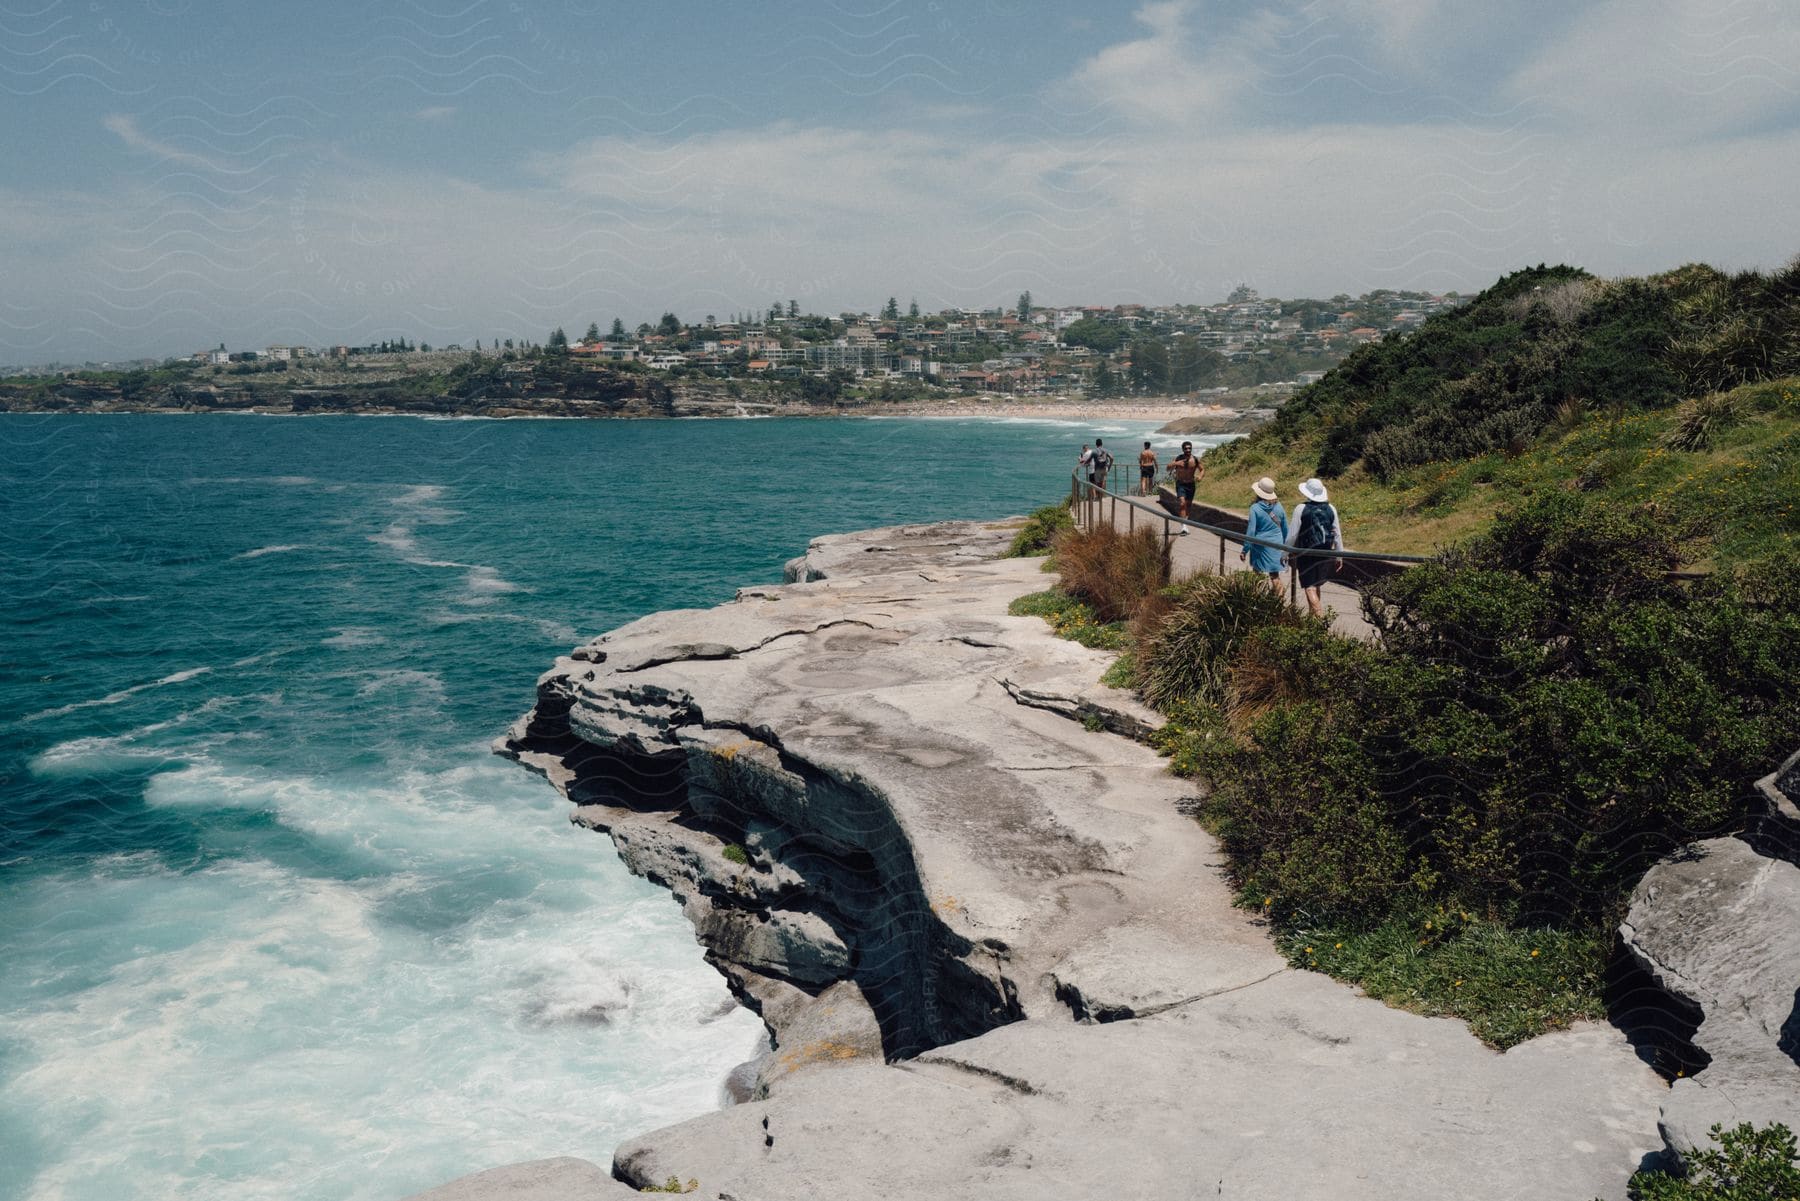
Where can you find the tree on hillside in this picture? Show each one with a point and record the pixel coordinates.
(1025, 306)
(1102, 337)
(1192, 364)
(559, 341)
(618, 329)
(593, 333)
(912, 310)
(670, 325)
(793, 309)
(891, 310)
(1149, 365)
(1104, 382)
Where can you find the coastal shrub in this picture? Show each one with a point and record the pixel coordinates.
(1700, 420)
(1040, 527)
(1749, 1164)
(1072, 619)
(1288, 661)
(1112, 571)
(1545, 715)
(736, 854)
(1508, 984)
(1188, 652)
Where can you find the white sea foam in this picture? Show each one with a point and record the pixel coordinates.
(260, 551)
(348, 636)
(124, 694)
(136, 747)
(553, 631)
(451, 977)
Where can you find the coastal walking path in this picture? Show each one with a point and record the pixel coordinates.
(1202, 551)
(998, 960)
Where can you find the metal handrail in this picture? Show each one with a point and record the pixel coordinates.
(1244, 539)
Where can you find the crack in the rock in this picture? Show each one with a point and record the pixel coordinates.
(1023, 1087)
(705, 652)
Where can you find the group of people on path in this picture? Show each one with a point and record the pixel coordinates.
(1315, 526)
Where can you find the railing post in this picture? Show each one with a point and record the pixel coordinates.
(1221, 554)
(1293, 581)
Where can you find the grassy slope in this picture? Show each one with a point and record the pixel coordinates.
(1743, 488)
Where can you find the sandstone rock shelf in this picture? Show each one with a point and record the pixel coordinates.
(994, 958)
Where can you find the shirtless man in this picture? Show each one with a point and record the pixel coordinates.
(1146, 469)
(1187, 471)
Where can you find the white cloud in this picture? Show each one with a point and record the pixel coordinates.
(126, 127)
(1662, 70)
(1162, 78)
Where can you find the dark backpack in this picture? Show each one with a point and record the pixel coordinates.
(1101, 461)
(1316, 527)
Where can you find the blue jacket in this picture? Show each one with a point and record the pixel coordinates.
(1267, 520)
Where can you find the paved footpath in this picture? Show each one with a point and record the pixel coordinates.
(1200, 551)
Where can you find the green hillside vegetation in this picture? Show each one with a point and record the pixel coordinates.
(1453, 814)
(1680, 391)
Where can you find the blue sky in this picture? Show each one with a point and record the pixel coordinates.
(179, 173)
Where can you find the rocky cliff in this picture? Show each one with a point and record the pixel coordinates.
(995, 959)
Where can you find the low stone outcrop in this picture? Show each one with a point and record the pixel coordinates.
(1718, 926)
(564, 1179)
(995, 958)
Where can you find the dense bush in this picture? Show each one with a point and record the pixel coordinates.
(1494, 374)
(1545, 715)
(1189, 648)
(1748, 1165)
(1112, 571)
(1039, 529)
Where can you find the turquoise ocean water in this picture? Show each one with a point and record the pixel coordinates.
(273, 922)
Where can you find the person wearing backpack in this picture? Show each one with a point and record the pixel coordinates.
(1316, 527)
(1269, 522)
(1099, 463)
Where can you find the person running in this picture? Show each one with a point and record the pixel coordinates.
(1316, 527)
(1269, 521)
(1099, 463)
(1146, 470)
(1187, 470)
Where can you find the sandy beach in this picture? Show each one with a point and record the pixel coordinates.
(1163, 408)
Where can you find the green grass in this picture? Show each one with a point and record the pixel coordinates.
(1123, 673)
(1507, 984)
(1040, 526)
(736, 854)
(1742, 488)
(1072, 619)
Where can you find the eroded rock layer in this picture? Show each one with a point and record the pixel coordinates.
(995, 958)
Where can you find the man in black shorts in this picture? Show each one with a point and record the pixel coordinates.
(1187, 472)
(1146, 470)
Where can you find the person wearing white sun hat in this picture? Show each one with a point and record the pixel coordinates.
(1268, 521)
(1316, 527)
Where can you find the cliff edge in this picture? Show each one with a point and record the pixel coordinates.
(994, 957)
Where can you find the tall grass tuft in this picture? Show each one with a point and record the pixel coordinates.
(1702, 419)
(1113, 572)
(1188, 655)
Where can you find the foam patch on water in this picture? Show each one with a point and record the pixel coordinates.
(124, 694)
(471, 982)
(260, 551)
(140, 747)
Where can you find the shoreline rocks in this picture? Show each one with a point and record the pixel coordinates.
(994, 958)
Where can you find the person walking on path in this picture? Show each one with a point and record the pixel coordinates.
(1146, 469)
(1099, 463)
(1316, 528)
(1187, 470)
(1267, 520)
